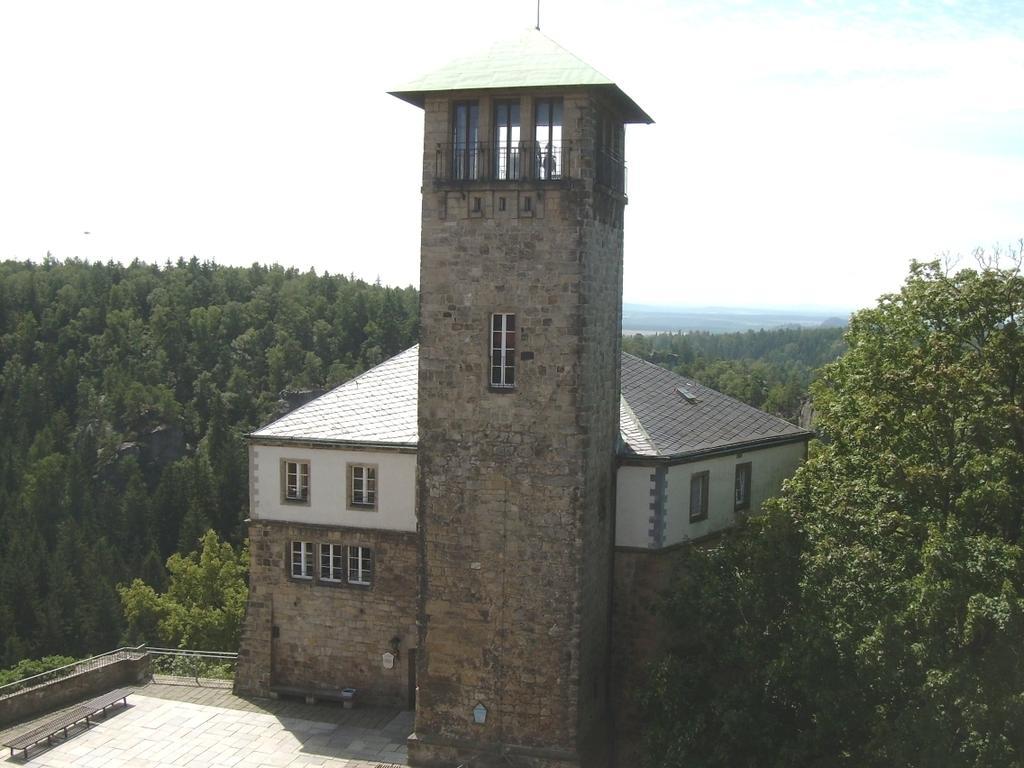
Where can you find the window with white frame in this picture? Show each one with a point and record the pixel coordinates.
(302, 560)
(360, 566)
(742, 494)
(699, 482)
(295, 481)
(362, 486)
(332, 562)
(503, 350)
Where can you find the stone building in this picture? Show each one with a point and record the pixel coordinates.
(467, 527)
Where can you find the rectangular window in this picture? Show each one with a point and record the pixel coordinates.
(699, 496)
(360, 566)
(503, 350)
(332, 562)
(302, 560)
(465, 140)
(295, 481)
(611, 166)
(743, 472)
(506, 140)
(362, 484)
(548, 138)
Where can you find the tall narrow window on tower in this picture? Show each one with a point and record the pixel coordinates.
(548, 135)
(611, 164)
(506, 140)
(466, 140)
(503, 350)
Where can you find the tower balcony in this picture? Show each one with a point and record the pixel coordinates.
(459, 164)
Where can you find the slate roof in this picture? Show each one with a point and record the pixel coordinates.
(377, 407)
(680, 416)
(661, 414)
(531, 60)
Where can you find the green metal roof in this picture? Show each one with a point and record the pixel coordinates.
(532, 60)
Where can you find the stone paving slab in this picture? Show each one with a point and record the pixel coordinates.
(192, 727)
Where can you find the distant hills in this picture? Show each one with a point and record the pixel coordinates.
(643, 318)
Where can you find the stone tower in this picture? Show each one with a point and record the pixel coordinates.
(520, 328)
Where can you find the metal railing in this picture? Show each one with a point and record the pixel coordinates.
(549, 161)
(525, 160)
(500, 161)
(508, 162)
(75, 668)
(168, 665)
(184, 666)
(611, 171)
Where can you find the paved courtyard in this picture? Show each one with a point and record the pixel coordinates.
(199, 727)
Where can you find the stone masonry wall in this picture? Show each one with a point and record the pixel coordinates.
(640, 579)
(515, 486)
(310, 634)
(600, 352)
(58, 693)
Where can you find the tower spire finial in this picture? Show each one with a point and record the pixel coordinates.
(538, 15)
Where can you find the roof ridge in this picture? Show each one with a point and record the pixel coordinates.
(532, 30)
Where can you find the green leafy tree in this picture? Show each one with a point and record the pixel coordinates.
(874, 615)
(203, 606)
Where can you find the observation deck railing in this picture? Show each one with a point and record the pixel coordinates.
(499, 162)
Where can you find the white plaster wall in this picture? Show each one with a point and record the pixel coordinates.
(396, 487)
(769, 467)
(633, 506)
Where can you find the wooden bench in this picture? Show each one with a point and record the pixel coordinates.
(67, 719)
(102, 703)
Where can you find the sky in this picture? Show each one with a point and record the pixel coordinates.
(803, 153)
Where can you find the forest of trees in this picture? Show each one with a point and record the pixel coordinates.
(125, 395)
(874, 614)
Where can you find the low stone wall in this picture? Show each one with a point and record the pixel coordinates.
(51, 696)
